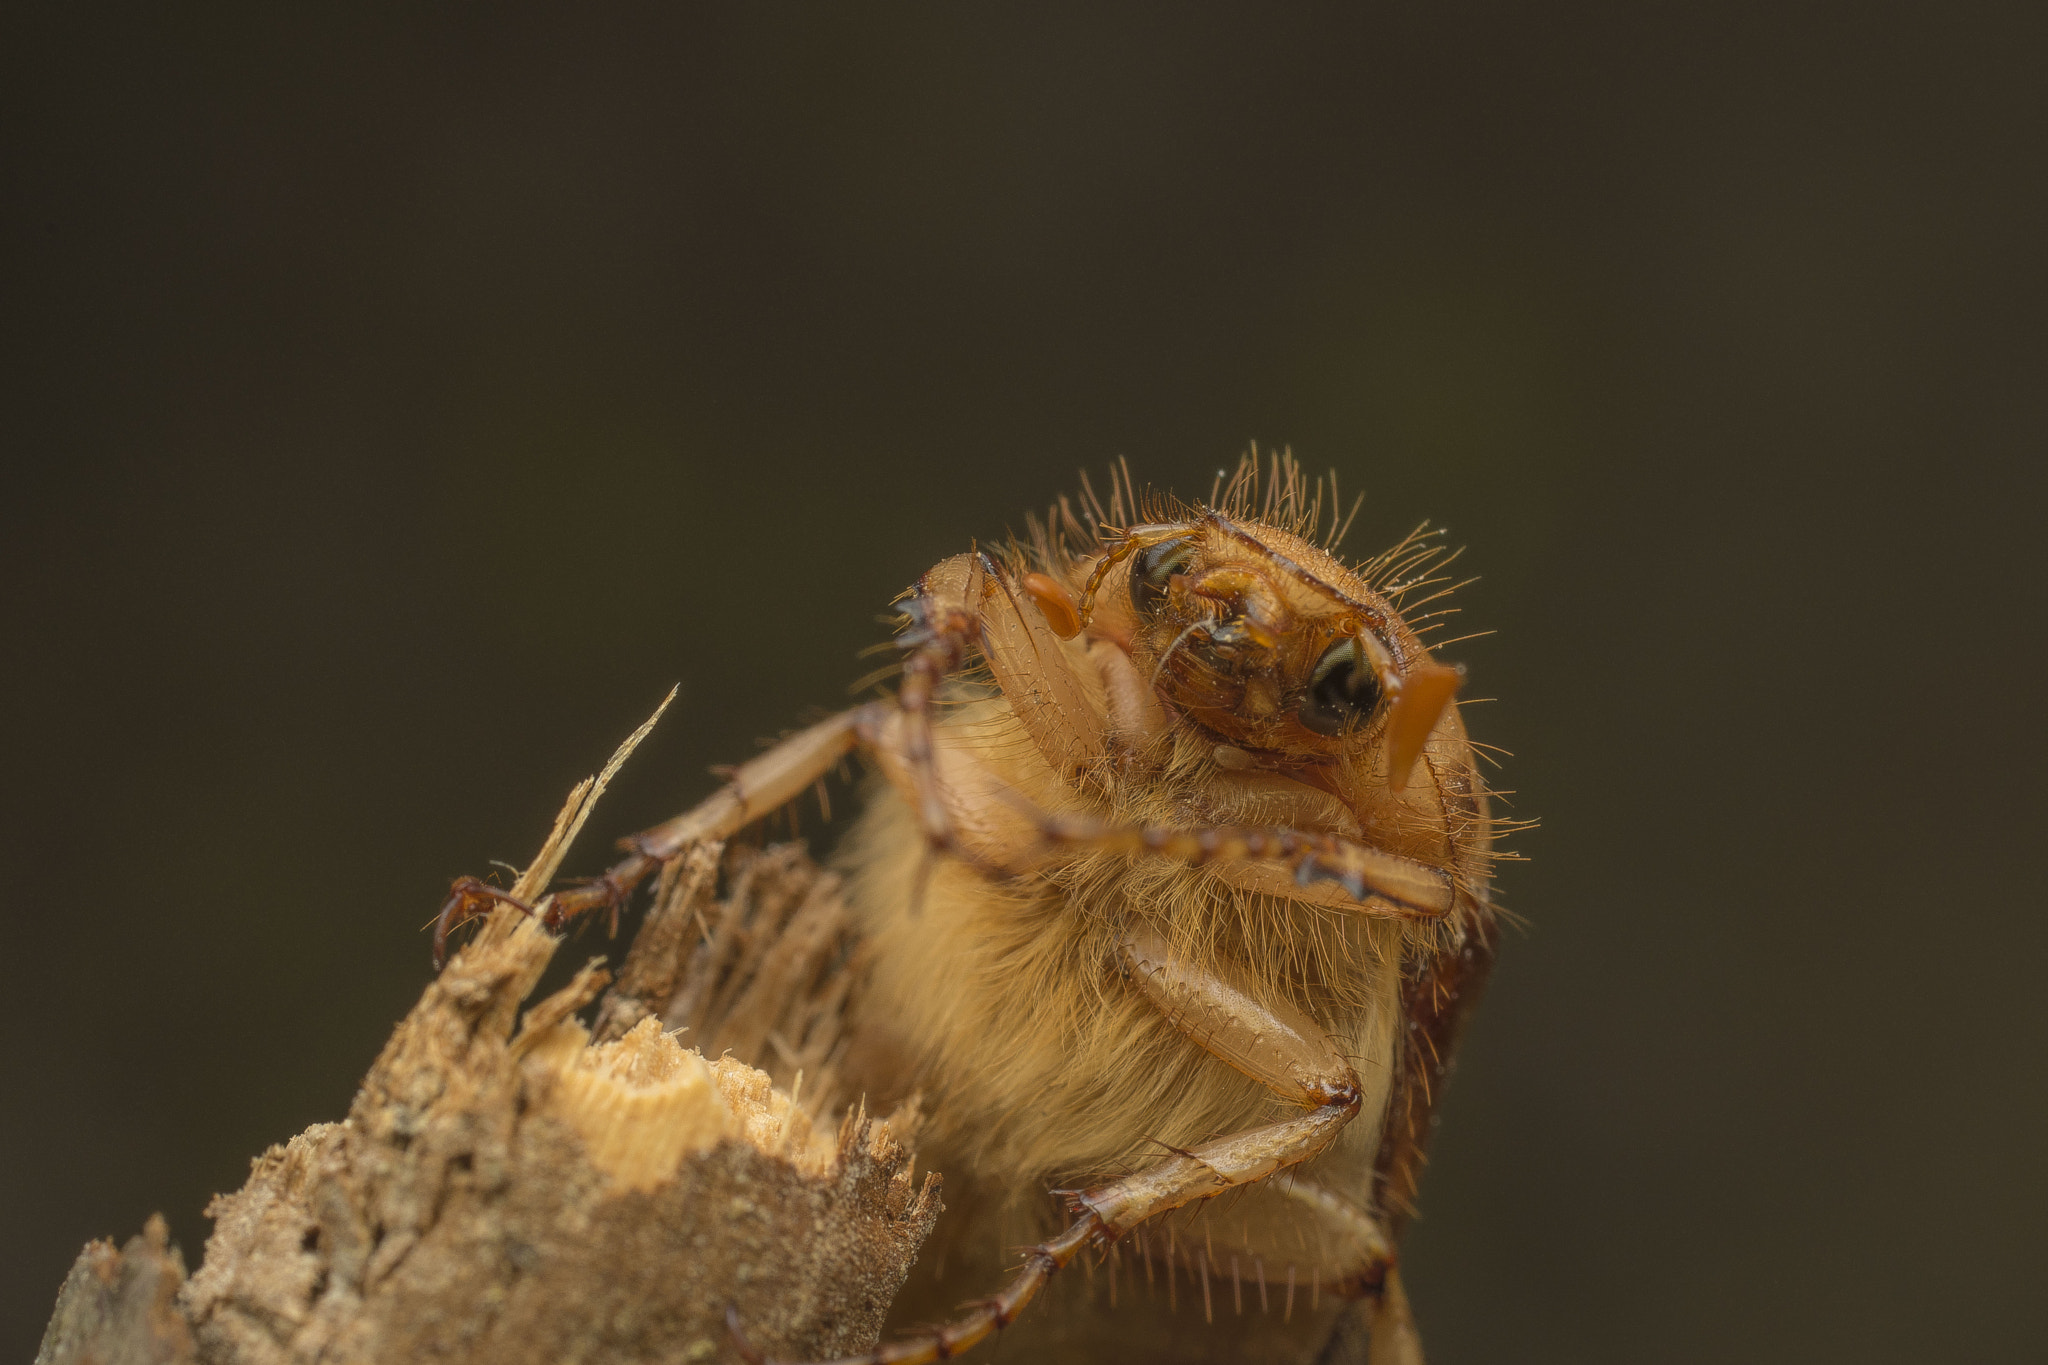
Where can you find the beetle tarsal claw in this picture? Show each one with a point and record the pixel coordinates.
(1424, 694)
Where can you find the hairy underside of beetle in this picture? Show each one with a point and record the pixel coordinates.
(1174, 878)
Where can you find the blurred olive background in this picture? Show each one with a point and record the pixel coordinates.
(396, 407)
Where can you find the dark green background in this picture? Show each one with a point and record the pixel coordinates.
(396, 409)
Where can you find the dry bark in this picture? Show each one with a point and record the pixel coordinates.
(535, 1196)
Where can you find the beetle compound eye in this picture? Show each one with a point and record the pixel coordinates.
(1152, 567)
(1342, 686)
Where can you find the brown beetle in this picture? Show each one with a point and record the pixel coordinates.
(1176, 880)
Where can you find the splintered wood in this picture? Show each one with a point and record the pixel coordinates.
(764, 974)
(537, 1197)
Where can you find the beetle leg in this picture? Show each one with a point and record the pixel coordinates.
(941, 634)
(989, 1315)
(758, 787)
(1318, 868)
(1271, 1041)
(468, 897)
(944, 625)
(1372, 1247)
(1268, 1040)
(967, 603)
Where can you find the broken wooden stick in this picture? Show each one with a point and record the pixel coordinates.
(506, 1189)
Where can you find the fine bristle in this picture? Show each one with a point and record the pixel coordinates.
(1270, 487)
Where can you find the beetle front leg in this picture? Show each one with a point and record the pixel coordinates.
(936, 644)
(1322, 869)
(943, 628)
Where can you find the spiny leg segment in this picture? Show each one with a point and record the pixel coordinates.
(1267, 1039)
